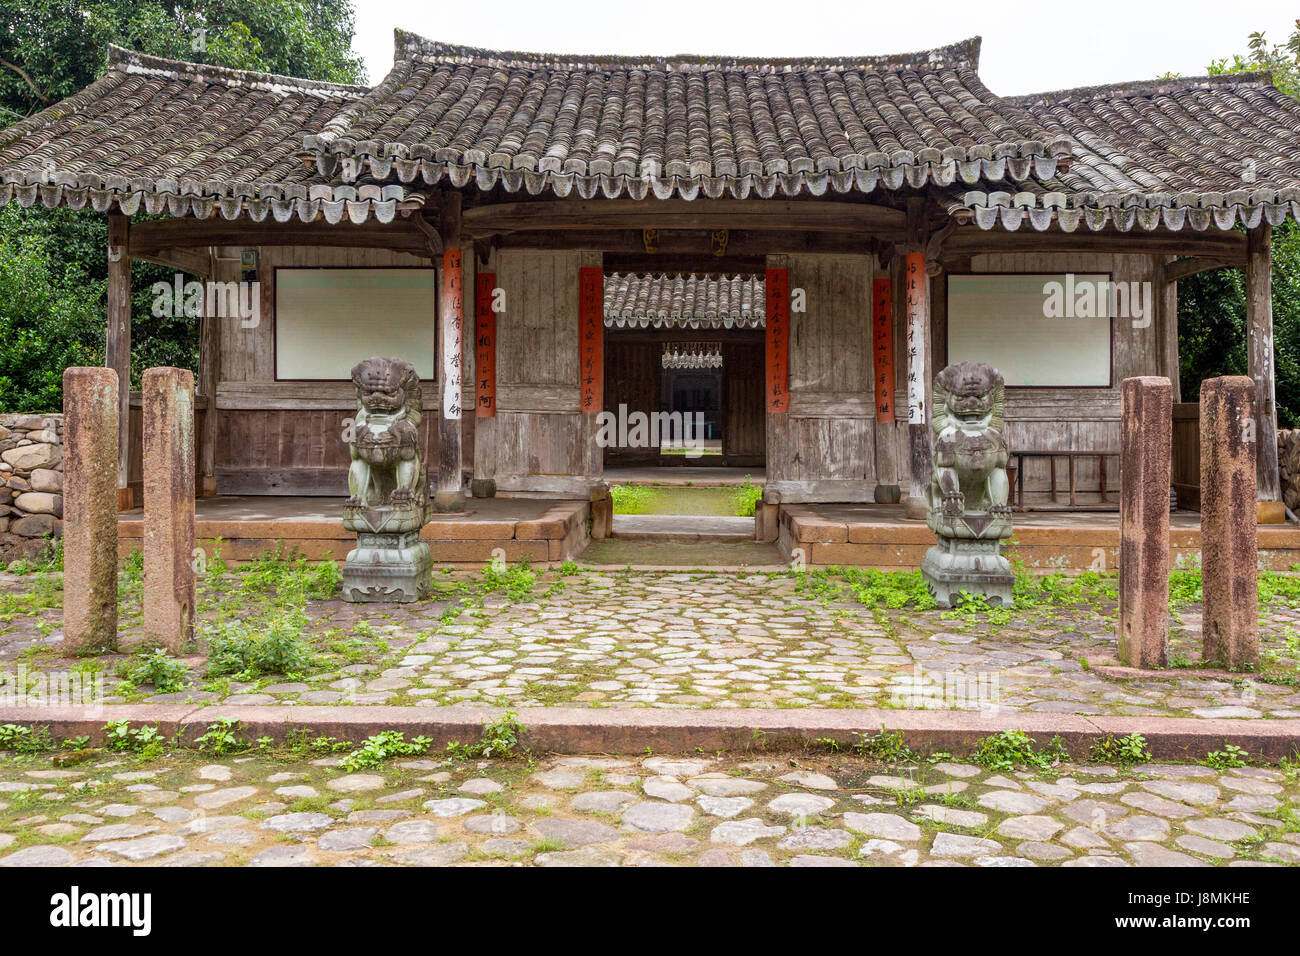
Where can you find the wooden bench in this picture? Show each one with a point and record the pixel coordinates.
(1018, 498)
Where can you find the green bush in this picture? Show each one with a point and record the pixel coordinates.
(247, 649)
(746, 498)
(1121, 750)
(383, 747)
(632, 499)
(1010, 749)
(158, 669)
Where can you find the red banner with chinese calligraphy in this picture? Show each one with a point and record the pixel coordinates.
(453, 321)
(485, 347)
(777, 284)
(591, 339)
(882, 347)
(917, 290)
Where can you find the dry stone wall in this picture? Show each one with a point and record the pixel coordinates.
(31, 483)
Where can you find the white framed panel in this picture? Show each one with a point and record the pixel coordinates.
(1039, 330)
(327, 320)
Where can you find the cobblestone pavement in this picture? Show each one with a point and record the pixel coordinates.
(184, 809)
(706, 639)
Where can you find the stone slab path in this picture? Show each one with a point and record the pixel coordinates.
(297, 809)
(704, 639)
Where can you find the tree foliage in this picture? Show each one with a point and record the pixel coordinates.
(1212, 305)
(54, 267)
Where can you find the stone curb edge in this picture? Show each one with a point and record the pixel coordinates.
(569, 730)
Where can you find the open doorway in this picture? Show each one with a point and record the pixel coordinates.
(684, 371)
(684, 390)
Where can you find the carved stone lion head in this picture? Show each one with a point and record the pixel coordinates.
(386, 385)
(969, 390)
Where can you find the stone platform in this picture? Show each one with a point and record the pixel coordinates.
(543, 530)
(871, 535)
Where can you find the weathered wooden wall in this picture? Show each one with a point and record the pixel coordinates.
(744, 425)
(1086, 418)
(632, 366)
(538, 441)
(1185, 462)
(287, 437)
(823, 449)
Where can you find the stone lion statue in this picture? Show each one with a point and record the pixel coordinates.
(387, 463)
(970, 452)
(966, 502)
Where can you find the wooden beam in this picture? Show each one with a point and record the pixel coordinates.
(751, 214)
(1195, 265)
(156, 239)
(117, 345)
(740, 244)
(1259, 357)
(971, 240)
(193, 262)
(698, 264)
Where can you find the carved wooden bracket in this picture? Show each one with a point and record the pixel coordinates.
(432, 240)
(934, 247)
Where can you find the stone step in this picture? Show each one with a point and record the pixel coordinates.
(682, 529)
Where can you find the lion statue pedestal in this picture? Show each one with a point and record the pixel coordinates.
(389, 501)
(966, 503)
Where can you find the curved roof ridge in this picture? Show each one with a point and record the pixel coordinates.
(130, 61)
(411, 45)
(1160, 85)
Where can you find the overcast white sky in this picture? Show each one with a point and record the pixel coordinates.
(1028, 47)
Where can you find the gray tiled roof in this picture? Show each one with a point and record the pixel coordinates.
(159, 135)
(162, 136)
(1215, 150)
(685, 124)
(637, 300)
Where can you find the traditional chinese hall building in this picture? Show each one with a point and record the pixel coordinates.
(541, 233)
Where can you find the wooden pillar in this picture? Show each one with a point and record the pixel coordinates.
(117, 351)
(1260, 364)
(591, 361)
(1229, 537)
(483, 484)
(90, 446)
(209, 374)
(1165, 302)
(449, 495)
(1146, 438)
(169, 585)
(919, 373)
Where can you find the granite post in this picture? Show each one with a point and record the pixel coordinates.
(1146, 439)
(90, 417)
(1229, 537)
(169, 598)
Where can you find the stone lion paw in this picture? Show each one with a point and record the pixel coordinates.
(954, 503)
